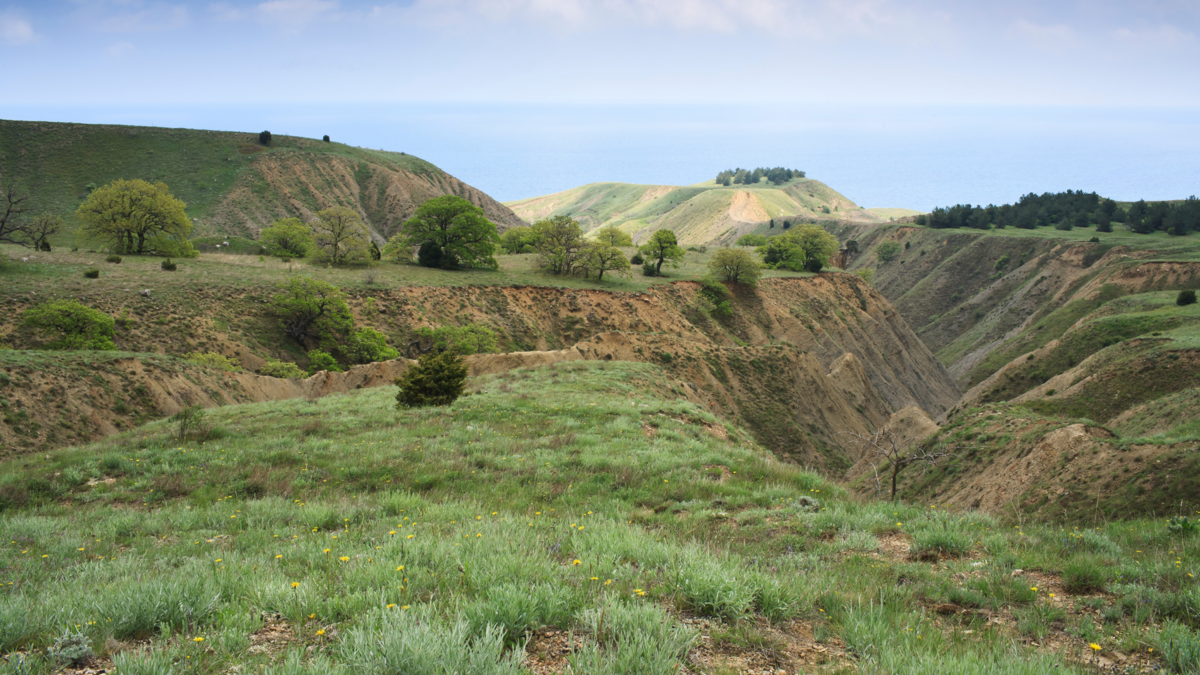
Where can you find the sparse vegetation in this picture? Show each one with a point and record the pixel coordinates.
(281, 369)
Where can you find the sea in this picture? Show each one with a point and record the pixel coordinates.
(909, 156)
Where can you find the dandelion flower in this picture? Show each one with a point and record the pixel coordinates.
(321, 632)
(327, 550)
(404, 607)
(576, 561)
(279, 556)
(390, 606)
(1095, 647)
(344, 558)
(400, 568)
(198, 639)
(295, 584)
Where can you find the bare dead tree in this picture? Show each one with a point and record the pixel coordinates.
(884, 449)
(13, 205)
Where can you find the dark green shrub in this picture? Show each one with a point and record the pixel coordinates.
(649, 269)
(114, 259)
(264, 137)
(1186, 298)
(436, 379)
(429, 255)
(814, 265)
(325, 138)
(1094, 240)
(320, 360)
(281, 369)
(69, 324)
(637, 259)
(168, 265)
(92, 273)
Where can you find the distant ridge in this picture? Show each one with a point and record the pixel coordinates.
(231, 184)
(705, 213)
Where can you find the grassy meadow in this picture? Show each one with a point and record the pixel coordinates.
(573, 515)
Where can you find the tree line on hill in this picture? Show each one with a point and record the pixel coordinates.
(1069, 210)
(777, 175)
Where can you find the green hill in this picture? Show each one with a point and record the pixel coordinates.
(231, 184)
(705, 213)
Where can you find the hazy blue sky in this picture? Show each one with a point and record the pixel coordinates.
(1102, 52)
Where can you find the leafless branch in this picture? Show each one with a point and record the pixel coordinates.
(886, 447)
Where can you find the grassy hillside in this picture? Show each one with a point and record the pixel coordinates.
(231, 183)
(705, 213)
(555, 518)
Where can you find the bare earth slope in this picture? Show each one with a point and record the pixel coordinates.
(801, 360)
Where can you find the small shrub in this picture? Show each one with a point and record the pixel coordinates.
(367, 345)
(213, 360)
(649, 269)
(264, 137)
(71, 648)
(1180, 648)
(709, 589)
(325, 138)
(866, 274)
(1186, 298)
(436, 379)
(933, 545)
(114, 259)
(282, 369)
(1094, 240)
(168, 265)
(1180, 526)
(887, 250)
(717, 297)
(69, 324)
(189, 420)
(637, 259)
(1084, 575)
(92, 273)
(319, 360)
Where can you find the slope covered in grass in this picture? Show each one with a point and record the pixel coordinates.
(340, 535)
(231, 183)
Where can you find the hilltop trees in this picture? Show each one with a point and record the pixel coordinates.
(264, 137)
(137, 217)
(777, 176)
(453, 231)
(662, 247)
(289, 237)
(735, 266)
(341, 238)
(1070, 209)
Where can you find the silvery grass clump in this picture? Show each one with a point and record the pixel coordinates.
(72, 648)
(418, 641)
(631, 638)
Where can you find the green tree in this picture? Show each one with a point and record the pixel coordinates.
(1185, 298)
(466, 340)
(866, 274)
(783, 252)
(887, 250)
(601, 258)
(459, 229)
(70, 324)
(264, 137)
(560, 244)
(520, 239)
(430, 255)
(735, 266)
(341, 238)
(611, 235)
(137, 217)
(289, 237)
(818, 244)
(398, 250)
(662, 247)
(436, 379)
(367, 345)
(312, 310)
(752, 240)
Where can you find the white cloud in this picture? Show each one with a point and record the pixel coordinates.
(16, 31)
(150, 20)
(120, 49)
(1054, 37)
(223, 11)
(292, 15)
(1162, 36)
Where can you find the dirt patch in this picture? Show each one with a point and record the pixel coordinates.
(274, 636)
(547, 650)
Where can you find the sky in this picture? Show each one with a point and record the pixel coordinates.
(760, 52)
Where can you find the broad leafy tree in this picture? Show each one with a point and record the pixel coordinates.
(341, 238)
(458, 228)
(312, 310)
(519, 239)
(600, 258)
(289, 237)
(662, 247)
(611, 235)
(561, 245)
(783, 252)
(818, 244)
(136, 217)
(735, 266)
